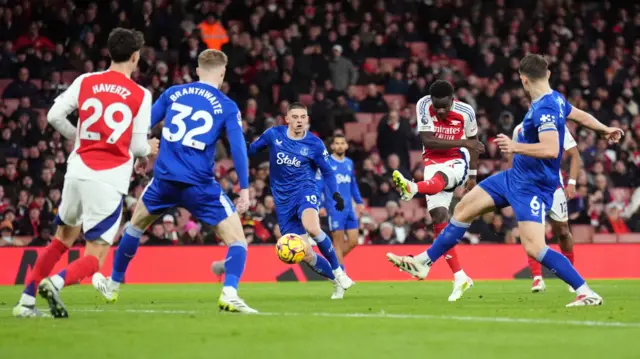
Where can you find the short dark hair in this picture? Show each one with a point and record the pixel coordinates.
(441, 89)
(534, 66)
(296, 106)
(338, 135)
(122, 43)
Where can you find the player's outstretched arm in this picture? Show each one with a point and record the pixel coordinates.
(261, 143)
(159, 109)
(574, 169)
(355, 191)
(613, 134)
(548, 146)
(63, 105)
(238, 148)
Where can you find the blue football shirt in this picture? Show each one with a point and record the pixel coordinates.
(347, 185)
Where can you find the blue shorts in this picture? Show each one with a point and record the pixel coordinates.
(529, 202)
(343, 221)
(289, 212)
(208, 202)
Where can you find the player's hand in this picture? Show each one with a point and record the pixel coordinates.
(322, 212)
(359, 209)
(613, 134)
(505, 143)
(154, 146)
(475, 145)
(570, 191)
(339, 201)
(471, 182)
(140, 167)
(243, 201)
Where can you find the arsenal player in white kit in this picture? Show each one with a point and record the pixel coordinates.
(114, 115)
(448, 129)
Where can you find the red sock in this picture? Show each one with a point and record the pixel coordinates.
(44, 264)
(432, 186)
(80, 269)
(535, 267)
(451, 256)
(569, 255)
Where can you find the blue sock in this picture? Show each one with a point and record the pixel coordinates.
(326, 248)
(126, 250)
(322, 267)
(63, 274)
(342, 266)
(448, 238)
(560, 266)
(234, 264)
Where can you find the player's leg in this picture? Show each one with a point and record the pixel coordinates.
(311, 223)
(101, 213)
(212, 206)
(482, 198)
(154, 197)
(351, 228)
(68, 220)
(435, 183)
(339, 245)
(530, 213)
(565, 240)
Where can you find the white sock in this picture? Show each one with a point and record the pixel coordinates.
(413, 187)
(583, 290)
(27, 299)
(113, 284)
(230, 291)
(424, 258)
(459, 276)
(338, 270)
(57, 281)
(537, 277)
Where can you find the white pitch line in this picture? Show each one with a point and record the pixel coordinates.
(581, 323)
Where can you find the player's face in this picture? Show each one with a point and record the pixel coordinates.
(339, 146)
(297, 120)
(442, 106)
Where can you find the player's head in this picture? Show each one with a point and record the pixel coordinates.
(533, 70)
(339, 144)
(441, 93)
(297, 118)
(124, 46)
(212, 65)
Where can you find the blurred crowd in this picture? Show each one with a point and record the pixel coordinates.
(344, 58)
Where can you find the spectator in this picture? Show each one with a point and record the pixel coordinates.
(214, 35)
(43, 239)
(374, 102)
(342, 112)
(400, 227)
(6, 234)
(169, 228)
(21, 87)
(394, 137)
(387, 235)
(191, 234)
(343, 73)
(611, 221)
(30, 225)
(34, 39)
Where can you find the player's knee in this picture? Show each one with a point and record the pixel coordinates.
(463, 211)
(532, 248)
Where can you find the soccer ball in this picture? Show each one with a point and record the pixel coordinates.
(290, 248)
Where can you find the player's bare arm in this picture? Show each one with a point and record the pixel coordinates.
(547, 148)
(613, 134)
(574, 169)
(473, 166)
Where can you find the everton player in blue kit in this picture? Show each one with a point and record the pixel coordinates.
(528, 186)
(295, 155)
(345, 221)
(195, 115)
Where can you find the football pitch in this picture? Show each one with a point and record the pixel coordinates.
(495, 319)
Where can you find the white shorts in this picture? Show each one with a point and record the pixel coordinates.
(558, 211)
(457, 172)
(94, 205)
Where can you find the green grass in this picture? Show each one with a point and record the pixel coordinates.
(494, 320)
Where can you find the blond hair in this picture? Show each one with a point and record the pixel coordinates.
(212, 59)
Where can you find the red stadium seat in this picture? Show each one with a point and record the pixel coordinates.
(373, 62)
(582, 233)
(379, 214)
(365, 118)
(69, 76)
(629, 238)
(355, 131)
(3, 85)
(12, 105)
(394, 62)
(605, 238)
(411, 206)
(306, 99)
(415, 158)
(369, 140)
(391, 98)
